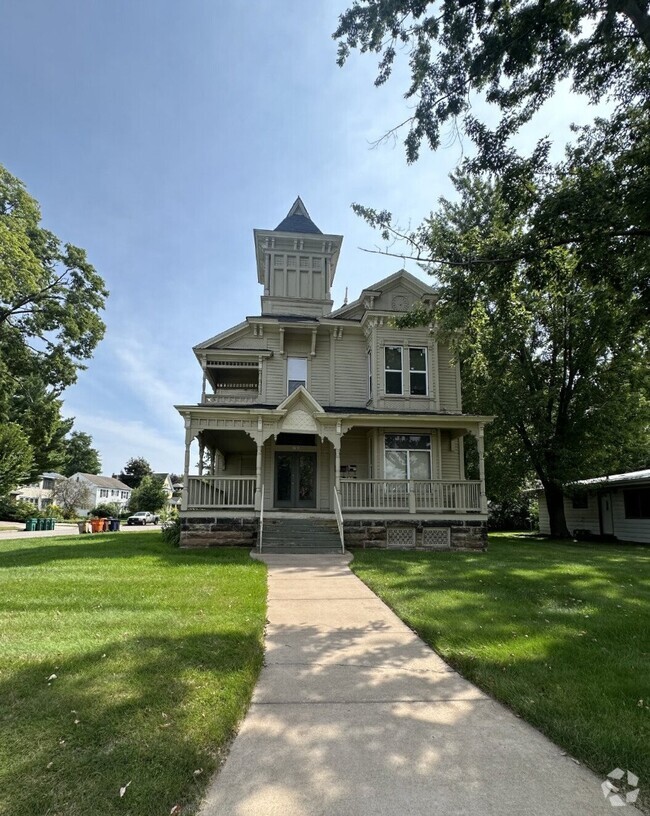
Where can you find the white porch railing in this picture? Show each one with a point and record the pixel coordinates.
(232, 396)
(339, 518)
(404, 496)
(261, 533)
(220, 491)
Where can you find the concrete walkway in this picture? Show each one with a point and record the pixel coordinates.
(354, 715)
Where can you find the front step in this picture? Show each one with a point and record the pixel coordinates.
(294, 536)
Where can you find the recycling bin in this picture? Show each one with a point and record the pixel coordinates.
(30, 525)
(50, 523)
(114, 525)
(40, 524)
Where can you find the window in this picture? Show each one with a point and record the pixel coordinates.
(369, 375)
(393, 367)
(407, 456)
(579, 501)
(296, 373)
(418, 371)
(637, 503)
(103, 494)
(124, 494)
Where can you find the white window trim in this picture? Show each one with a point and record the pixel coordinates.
(424, 371)
(393, 371)
(407, 450)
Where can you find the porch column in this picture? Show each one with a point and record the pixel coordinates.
(481, 465)
(186, 468)
(201, 455)
(337, 465)
(203, 387)
(258, 476)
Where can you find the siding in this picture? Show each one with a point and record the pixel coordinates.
(449, 457)
(320, 369)
(448, 377)
(354, 451)
(628, 529)
(351, 372)
(637, 530)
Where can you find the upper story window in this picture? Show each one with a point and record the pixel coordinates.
(103, 494)
(296, 373)
(393, 369)
(417, 375)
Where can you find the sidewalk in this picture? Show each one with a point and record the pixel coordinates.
(354, 715)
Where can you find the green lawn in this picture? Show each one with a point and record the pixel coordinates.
(559, 632)
(155, 653)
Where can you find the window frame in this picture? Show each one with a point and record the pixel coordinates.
(399, 371)
(424, 371)
(633, 501)
(407, 451)
(300, 382)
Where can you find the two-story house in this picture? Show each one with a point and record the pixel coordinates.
(306, 410)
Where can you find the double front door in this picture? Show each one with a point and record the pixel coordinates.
(295, 480)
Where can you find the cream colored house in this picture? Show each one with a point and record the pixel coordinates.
(38, 493)
(325, 414)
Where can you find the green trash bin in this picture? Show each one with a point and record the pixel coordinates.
(50, 523)
(40, 524)
(30, 525)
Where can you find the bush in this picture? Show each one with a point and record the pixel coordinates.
(12, 510)
(106, 510)
(171, 532)
(513, 514)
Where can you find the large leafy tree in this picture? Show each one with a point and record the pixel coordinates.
(80, 456)
(149, 495)
(134, 472)
(512, 55)
(15, 457)
(50, 304)
(552, 336)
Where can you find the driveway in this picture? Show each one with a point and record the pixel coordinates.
(354, 715)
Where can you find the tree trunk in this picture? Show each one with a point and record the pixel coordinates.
(555, 506)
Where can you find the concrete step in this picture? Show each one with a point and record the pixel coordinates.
(295, 536)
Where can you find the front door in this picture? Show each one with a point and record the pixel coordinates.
(295, 480)
(606, 514)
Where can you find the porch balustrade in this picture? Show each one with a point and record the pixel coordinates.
(394, 495)
(232, 396)
(220, 491)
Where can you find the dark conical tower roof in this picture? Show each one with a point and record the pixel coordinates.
(298, 220)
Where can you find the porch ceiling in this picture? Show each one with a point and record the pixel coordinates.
(228, 441)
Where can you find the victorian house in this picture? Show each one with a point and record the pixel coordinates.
(335, 417)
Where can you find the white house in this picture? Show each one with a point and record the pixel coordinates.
(105, 490)
(616, 506)
(332, 416)
(38, 493)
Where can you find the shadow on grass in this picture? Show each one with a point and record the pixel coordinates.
(151, 711)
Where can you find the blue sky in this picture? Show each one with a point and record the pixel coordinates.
(157, 135)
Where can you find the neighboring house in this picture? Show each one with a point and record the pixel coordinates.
(168, 487)
(38, 493)
(105, 490)
(304, 409)
(616, 506)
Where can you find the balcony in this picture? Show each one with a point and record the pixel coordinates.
(232, 395)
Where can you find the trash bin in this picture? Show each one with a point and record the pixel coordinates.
(113, 525)
(30, 525)
(82, 526)
(106, 526)
(40, 524)
(50, 523)
(97, 525)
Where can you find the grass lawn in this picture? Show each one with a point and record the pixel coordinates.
(123, 661)
(560, 632)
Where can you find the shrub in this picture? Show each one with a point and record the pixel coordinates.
(106, 510)
(171, 532)
(12, 510)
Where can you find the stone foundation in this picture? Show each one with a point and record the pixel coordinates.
(416, 534)
(209, 531)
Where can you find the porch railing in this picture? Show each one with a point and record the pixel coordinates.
(339, 518)
(261, 533)
(220, 491)
(403, 496)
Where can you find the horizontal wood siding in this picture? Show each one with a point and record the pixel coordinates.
(354, 451)
(320, 370)
(449, 457)
(628, 529)
(351, 373)
(238, 465)
(448, 380)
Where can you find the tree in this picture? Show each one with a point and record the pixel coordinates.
(134, 471)
(513, 54)
(71, 496)
(80, 456)
(50, 300)
(15, 457)
(553, 341)
(150, 495)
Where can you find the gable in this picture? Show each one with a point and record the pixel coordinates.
(398, 292)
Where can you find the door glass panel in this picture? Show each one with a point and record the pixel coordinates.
(283, 477)
(306, 477)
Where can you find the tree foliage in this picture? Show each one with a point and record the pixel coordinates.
(15, 457)
(149, 495)
(72, 496)
(552, 336)
(513, 55)
(80, 456)
(134, 471)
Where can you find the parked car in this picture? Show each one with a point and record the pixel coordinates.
(143, 517)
